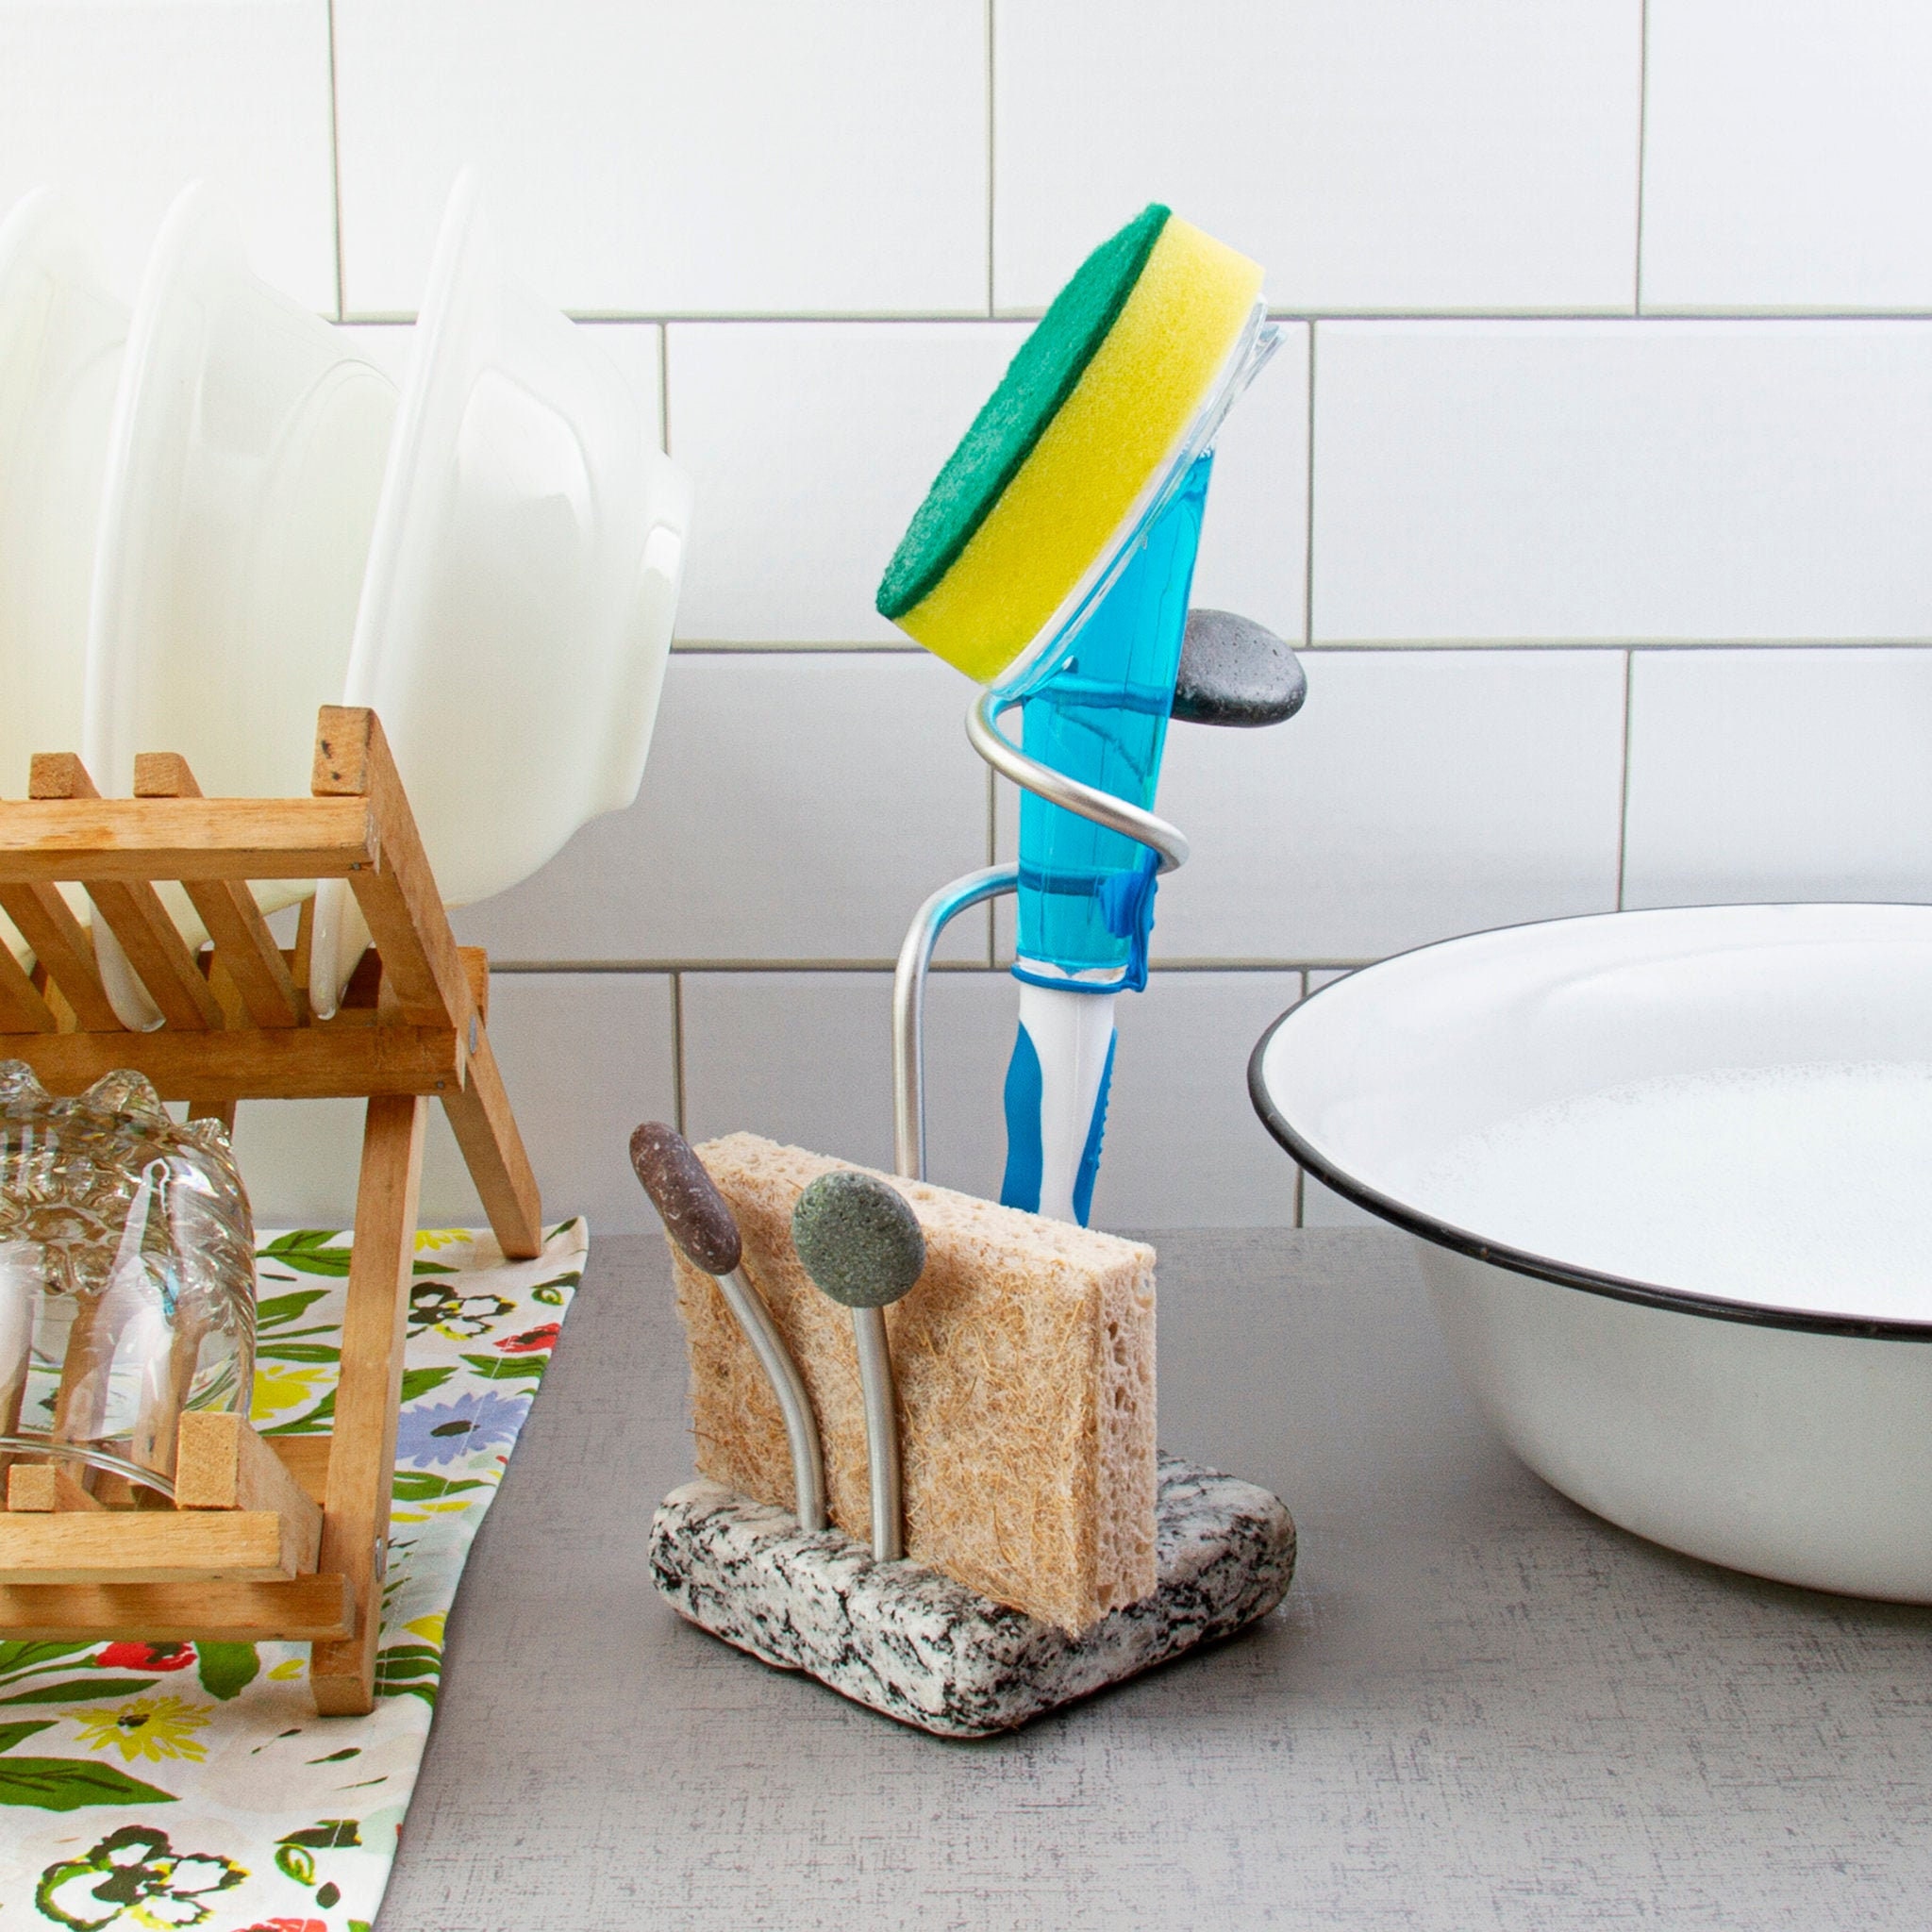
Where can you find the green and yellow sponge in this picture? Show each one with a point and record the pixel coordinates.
(1094, 404)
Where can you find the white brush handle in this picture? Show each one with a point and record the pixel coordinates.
(1056, 1099)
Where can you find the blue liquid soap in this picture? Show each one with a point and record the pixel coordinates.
(1086, 894)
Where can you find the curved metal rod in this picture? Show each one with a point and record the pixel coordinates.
(883, 1471)
(908, 1007)
(1168, 842)
(787, 1387)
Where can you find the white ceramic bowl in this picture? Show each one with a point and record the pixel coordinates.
(521, 585)
(1766, 1070)
(245, 461)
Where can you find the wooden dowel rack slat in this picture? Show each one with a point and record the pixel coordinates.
(23, 1007)
(398, 894)
(63, 948)
(183, 838)
(237, 1025)
(278, 1063)
(134, 913)
(303, 1610)
(243, 942)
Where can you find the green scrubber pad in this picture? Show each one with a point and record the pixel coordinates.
(1040, 377)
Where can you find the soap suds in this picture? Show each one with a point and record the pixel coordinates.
(1804, 1187)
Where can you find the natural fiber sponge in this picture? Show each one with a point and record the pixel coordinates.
(1025, 1362)
(1094, 403)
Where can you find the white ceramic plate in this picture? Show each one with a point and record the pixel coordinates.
(520, 589)
(245, 462)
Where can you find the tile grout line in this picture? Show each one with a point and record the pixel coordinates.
(990, 310)
(653, 968)
(1624, 791)
(1309, 522)
(664, 394)
(1384, 647)
(978, 318)
(677, 1049)
(1642, 140)
(335, 165)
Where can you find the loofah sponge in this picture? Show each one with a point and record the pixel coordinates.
(1024, 1361)
(1093, 405)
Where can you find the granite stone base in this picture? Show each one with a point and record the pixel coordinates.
(915, 1645)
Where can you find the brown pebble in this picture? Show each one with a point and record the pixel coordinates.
(696, 1215)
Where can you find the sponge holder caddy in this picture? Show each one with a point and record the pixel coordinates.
(908, 1641)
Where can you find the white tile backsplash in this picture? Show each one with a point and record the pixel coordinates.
(585, 1056)
(807, 1057)
(811, 445)
(742, 157)
(1630, 481)
(1415, 795)
(122, 104)
(1780, 774)
(1787, 145)
(1184, 1148)
(1254, 539)
(808, 236)
(1374, 155)
(795, 805)
(800, 1057)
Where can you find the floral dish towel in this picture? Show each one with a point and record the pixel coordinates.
(146, 1786)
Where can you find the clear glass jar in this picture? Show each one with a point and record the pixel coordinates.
(127, 1276)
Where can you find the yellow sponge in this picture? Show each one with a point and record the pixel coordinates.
(1095, 404)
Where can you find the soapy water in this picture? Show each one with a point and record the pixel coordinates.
(1801, 1187)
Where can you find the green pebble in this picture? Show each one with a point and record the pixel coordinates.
(857, 1238)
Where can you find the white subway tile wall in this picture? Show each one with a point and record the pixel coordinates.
(1780, 774)
(811, 445)
(796, 806)
(122, 103)
(1646, 481)
(1786, 146)
(1593, 475)
(746, 156)
(1375, 154)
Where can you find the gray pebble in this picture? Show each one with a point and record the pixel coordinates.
(857, 1238)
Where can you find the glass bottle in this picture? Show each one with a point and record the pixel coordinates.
(127, 1276)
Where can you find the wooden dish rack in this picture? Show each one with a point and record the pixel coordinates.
(270, 1539)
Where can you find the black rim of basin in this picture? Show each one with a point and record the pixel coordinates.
(1541, 1267)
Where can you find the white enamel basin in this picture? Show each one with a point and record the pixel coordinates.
(1709, 1322)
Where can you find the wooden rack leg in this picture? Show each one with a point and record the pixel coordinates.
(486, 1130)
(354, 1535)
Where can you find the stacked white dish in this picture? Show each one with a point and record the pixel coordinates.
(62, 331)
(238, 520)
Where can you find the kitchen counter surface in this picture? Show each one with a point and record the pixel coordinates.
(1479, 1707)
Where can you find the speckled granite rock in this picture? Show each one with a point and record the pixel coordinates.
(919, 1647)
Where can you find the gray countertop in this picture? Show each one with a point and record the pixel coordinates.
(1479, 1707)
